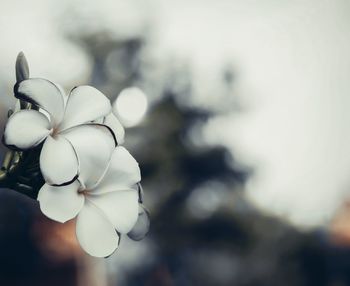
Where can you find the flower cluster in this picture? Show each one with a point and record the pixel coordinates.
(87, 174)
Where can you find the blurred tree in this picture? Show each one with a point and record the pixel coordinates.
(203, 230)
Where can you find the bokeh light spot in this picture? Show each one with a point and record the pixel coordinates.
(131, 106)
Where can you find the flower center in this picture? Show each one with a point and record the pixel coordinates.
(54, 132)
(83, 192)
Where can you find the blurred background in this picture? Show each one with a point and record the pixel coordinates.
(236, 110)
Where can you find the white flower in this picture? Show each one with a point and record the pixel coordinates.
(68, 131)
(112, 121)
(104, 210)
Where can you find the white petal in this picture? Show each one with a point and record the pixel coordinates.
(123, 172)
(61, 203)
(121, 208)
(85, 104)
(43, 93)
(63, 92)
(26, 129)
(58, 161)
(98, 120)
(17, 106)
(95, 233)
(112, 122)
(94, 145)
(142, 225)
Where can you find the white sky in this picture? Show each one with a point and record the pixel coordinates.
(293, 62)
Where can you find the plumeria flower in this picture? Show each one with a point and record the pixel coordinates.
(87, 174)
(113, 122)
(66, 125)
(104, 210)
